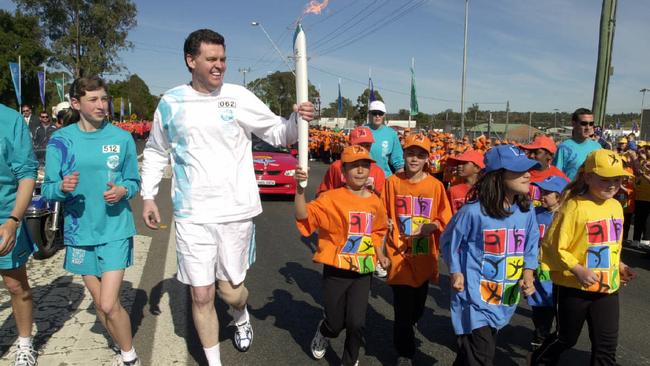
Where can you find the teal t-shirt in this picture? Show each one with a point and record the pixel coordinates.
(386, 151)
(105, 155)
(17, 161)
(571, 155)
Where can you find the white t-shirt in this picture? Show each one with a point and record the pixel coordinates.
(208, 137)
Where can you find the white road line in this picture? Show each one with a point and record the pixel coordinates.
(168, 347)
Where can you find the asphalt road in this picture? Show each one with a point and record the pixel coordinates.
(284, 304)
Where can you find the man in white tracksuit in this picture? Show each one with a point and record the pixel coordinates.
(206, 128)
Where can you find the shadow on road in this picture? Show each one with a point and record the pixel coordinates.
(54, 304)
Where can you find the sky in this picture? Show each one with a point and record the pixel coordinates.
(538, 55)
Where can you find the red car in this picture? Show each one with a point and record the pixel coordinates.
(274, 168)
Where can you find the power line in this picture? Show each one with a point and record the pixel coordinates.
(331, 15)
(341, 30)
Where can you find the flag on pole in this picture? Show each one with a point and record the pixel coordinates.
(371, 97)
(15, 77)
(618, 123)
(121, 109)
(60, 89)
(414, 98)
(41, 86)
(129, 107)
(110, 109)
(339, 110)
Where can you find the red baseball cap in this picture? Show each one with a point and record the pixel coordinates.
(473, 156)
(361, 135)
(541, 142)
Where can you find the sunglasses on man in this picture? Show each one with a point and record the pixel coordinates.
(585, 123)
(376, 113)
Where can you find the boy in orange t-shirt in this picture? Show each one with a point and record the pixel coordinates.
(418, 211)
(352, 224)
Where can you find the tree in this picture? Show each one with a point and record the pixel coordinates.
(85, 36)
(278, 91)
(331, 110)
(362, 105)
(21, 35)
(137, 92)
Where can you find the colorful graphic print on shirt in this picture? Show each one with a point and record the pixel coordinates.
(412, 213)
(602, 256)
(503, 265)
(358, 251)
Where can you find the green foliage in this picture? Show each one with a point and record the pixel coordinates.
(85, 36)
(278, 91)
(21, 35)
(349, 110)
(143, 104)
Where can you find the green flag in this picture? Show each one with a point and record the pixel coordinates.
(60, 88)
(414, 98)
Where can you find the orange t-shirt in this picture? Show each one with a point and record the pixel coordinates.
(334, 178)
(457, 196)
(350, 228)
(414, 259)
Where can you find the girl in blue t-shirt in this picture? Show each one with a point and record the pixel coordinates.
(92, 167)
(490, 246)
(541, 301)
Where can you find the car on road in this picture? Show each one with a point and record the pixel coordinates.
(274, 168)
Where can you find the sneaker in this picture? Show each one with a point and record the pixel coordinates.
(25, 356)
(117, 361)
(404, 361)
(380, 271)
(243, 336)
(319, 344)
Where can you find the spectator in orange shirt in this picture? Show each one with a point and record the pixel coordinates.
(334, 177)
(468, 165)
(418, 211)
(352, 224)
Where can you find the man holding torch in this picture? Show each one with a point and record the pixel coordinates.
(205, 127)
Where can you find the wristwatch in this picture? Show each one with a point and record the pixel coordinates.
(15, 219)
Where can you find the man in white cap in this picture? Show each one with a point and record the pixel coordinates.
(386, 150)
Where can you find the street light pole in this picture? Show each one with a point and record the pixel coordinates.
(462, 90)
(258, 24)
(642, 91)
(555, 119)
(244, 71)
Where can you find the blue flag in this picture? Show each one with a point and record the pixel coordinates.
(121, 109)
(371, 97)
(41, 86)
(15, 77)
(339, 111)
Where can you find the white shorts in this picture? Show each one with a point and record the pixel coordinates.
(206, 252)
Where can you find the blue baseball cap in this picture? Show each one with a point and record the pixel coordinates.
(554, 183)
(508, 157)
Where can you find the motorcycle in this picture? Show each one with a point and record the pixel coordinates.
(44, 219)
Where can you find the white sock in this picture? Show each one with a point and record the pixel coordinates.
(213, 355)
(24, 341)
(128, 356)
(240, 316)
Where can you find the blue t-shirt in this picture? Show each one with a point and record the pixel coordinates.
(543, 295)
(17, 161)
(105, 155)
(386, 149)
(492, 255)
(570, 155)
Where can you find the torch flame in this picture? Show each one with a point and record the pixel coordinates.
(314, 7)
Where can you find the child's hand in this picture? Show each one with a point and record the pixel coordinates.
(426, 229)
(300, 175)
(585, 276)
(458, 281)
(527, 283)
(384, 262)
(626, 273)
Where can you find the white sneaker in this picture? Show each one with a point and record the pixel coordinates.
(243, 336)
(117, 361)
(25, 356)
(319, 343)
(380, 271)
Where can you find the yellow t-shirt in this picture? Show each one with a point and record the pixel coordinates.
(584, 232)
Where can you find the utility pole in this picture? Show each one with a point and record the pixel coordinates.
(244, 71)
(462, 90)
(505, 134)
(530, 125)
(604, 67)
(643, 91)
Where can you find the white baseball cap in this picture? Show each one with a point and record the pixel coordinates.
(377, 105)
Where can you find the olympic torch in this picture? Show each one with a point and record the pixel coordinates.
(300, 57)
